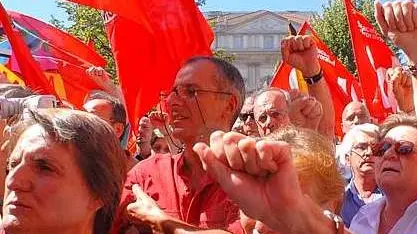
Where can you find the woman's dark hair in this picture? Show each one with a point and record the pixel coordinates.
(97, 150)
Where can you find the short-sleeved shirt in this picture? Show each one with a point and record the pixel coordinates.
(368, 218)
(353, 202)
(163, 178)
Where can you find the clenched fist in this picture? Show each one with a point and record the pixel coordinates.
(301, 53)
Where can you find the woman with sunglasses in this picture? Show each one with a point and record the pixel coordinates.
(395, 174)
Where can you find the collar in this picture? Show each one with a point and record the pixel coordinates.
(179, 165)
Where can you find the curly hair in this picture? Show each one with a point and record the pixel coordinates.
(314, 159)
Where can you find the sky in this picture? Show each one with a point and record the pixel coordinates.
(43, 9)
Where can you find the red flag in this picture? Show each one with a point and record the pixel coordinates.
(342, 84)
(373, 58)
(57, 43)
(32, 74)
(148, 61)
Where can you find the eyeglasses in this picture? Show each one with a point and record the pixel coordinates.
(271, 113)
(363, 150)
(189, 92)
(245, 116)
(403, 148)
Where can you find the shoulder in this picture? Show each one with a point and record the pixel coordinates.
(367, 218)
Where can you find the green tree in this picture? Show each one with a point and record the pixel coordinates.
(332, 28)
(87, 24)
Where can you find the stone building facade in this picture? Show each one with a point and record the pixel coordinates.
(254, 40)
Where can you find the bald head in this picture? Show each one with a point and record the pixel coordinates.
(355, 113)
(112, 112)
(271, 111)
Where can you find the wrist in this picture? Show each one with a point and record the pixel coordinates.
(311, 80)
(305, 217)
(316, 69)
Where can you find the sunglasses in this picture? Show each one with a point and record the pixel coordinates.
(403, 148)
(245, 116)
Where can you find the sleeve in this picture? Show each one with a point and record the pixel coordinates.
(121, 221)
(233, 219)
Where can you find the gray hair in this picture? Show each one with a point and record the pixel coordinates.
(347, 143)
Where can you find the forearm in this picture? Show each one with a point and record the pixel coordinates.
(414, 83)
(174, 226)
(307, 217)
(321, 92)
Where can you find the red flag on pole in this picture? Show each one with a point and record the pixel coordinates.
(342, 84)
(147, 61)
(32, 74)
(373, 58)
(58, 43)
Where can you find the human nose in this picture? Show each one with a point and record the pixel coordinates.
(173, 99)
(19, 179)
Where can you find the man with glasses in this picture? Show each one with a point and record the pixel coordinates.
(271, 110)
(357, 147)
(275, 108)
(207, 95)
(247, 118)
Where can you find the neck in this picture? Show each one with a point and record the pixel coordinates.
(365, 185)
(398, 202)
(394, 209)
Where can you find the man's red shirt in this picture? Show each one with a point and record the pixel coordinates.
(163, 178)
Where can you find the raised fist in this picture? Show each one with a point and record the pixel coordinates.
(398, 22)
(306, 112)
(301, 53)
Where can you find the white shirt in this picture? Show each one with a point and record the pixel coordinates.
(367, 219)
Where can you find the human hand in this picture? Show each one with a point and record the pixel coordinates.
(400, 83)
(238, 163)
(159, 120)
(100, 76)
(398, 21)
(145, 210)
(301, 53)
(306, 112)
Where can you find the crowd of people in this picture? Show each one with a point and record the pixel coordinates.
(218, 160)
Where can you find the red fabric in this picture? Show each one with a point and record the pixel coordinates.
(373, 57)
(32, 74)
(342, 84)
(163, 178)
(60, 44)
(129, 9)
(148, 61)
(77, 84)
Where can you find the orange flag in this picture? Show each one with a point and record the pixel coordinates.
(342, 84)
(373, 58)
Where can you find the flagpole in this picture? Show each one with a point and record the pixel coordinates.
(354, 52)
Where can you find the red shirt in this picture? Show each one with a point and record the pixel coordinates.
(163, 178)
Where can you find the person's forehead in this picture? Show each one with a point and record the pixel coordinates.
(399, 133)
(271, 99)
(101, 108)
(38, 144)
(200, 73)
(362, 137)
(248, 105)
(355, 108)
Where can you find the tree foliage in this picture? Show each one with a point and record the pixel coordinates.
(87, 24)
(332, 28)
